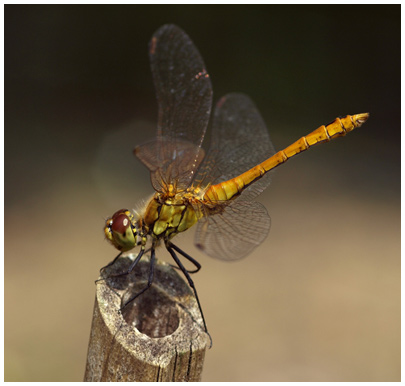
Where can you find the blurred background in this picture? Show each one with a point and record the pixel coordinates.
(319, 300)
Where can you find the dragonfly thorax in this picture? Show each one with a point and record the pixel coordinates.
(170, 213)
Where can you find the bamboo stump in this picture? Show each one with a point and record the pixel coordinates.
(157, 337)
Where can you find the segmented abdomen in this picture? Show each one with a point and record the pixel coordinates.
(339, 127)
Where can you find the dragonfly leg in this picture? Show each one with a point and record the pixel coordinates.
(129, 270)
(170, 248)
(176, 267)
(150, 278)
(110, 263)
(116, 258)
(132, 266)
(187, 256)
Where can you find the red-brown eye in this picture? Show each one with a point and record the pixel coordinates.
(120, 231)
(120, 223)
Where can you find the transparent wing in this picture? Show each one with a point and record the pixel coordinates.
(240, 141)
(233, 234)
(184, 95)
(180, 160)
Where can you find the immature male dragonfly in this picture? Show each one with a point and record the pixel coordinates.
(216, 190)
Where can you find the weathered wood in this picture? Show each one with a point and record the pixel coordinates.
(157, 337)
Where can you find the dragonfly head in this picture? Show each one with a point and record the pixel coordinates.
(120, 230)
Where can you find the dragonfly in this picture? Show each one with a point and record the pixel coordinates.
(216, 190)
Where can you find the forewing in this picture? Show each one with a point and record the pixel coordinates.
(181, 157)
(240, 141)
(184, 95)
(233, 234)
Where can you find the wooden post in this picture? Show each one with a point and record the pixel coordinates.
(157, 337)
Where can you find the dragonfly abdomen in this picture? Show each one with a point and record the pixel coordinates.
(338, 128)
(227, 190)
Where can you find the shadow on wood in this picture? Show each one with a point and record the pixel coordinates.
(157, 337)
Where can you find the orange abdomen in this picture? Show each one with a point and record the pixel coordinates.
(339, 127)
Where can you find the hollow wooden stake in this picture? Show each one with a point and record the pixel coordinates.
(157, 337)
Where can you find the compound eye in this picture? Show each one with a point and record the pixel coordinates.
(120, 231)
(120, 223)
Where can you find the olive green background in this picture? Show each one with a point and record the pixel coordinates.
(319, 300)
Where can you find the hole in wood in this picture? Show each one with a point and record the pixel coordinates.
(153, 313)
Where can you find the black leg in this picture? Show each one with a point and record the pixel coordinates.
(110, 263)
(187, 256)
(150, 279)
(132, 266)
(170, 248)
(176, 267)
(129, 270)
(115, 259)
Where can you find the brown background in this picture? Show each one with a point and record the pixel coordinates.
(319, 300)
